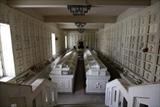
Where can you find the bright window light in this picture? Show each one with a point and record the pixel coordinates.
(7, 52)
(66, 42)
(1, 69)
(53, 44)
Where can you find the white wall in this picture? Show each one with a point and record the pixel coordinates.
(144, 94)
(88, 38)
(31, 38)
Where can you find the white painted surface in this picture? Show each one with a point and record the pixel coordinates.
(63, 71)
(96, 84)
(12, 94)
(144, 94)
(5, 79)
(36, 83)
(96, 73)
(64, 82)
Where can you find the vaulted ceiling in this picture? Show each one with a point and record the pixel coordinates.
(55, 11)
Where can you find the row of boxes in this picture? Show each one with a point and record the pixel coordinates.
(134, 41)
(30, 38)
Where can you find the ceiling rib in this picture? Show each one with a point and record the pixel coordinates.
(60, 3)
(87, 26)
(88, 19)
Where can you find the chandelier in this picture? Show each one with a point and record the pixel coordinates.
(81, 30)
(80, 24)
(79, 10)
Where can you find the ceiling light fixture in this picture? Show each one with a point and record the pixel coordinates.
(79, 10)
(80, 24)
(81, 30)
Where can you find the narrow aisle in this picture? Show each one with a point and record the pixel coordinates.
(79, 96)
(80, 76)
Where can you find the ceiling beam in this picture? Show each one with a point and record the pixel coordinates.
(75, 30)
(59, 3)
(87, 26)
(88, 19)
(121, 2)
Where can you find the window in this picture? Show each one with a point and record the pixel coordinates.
(53, 44)
(115, 95)
(7, 67)
(66, 42)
